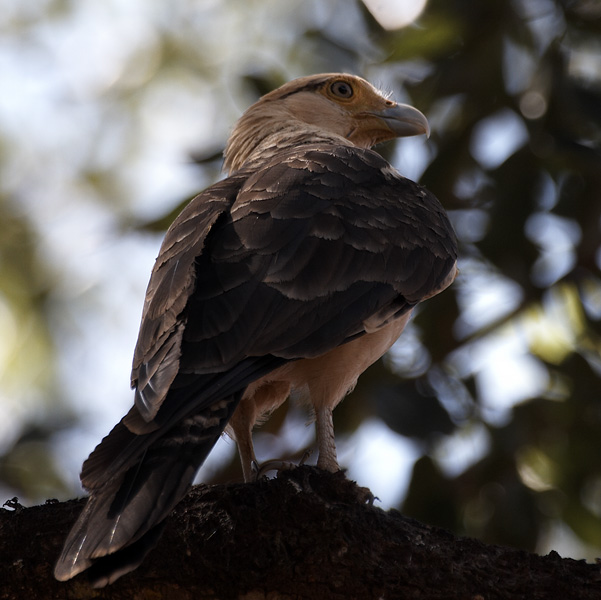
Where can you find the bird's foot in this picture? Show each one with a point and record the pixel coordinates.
(365, 496)
(330, 487)
(277, 465)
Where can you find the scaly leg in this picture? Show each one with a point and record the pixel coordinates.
(326, 443)
(240, 428)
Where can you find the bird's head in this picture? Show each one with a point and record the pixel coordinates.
(330, 105)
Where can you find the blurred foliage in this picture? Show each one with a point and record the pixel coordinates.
(523, 57)
(513, 93)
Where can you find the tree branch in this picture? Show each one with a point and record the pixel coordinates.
(307, 534)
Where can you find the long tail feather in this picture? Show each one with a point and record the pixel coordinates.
(123, 518)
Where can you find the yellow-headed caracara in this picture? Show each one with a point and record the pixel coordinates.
(295, 273)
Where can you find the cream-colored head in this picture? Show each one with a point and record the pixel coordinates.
(327, 106)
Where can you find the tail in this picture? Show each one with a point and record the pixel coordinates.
(124, 516)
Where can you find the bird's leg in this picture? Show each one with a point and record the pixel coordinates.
(326, 443)
(247, 456)
(240, 428)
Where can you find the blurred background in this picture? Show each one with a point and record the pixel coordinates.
(485, 418)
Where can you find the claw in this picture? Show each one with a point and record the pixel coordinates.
(278, 465)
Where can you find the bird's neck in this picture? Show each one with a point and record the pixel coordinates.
(258, 137)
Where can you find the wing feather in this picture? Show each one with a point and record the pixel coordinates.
(320, 257)
(172, 282)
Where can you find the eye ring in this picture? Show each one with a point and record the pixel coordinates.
(342, 89)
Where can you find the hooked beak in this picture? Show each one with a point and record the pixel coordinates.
(404, 120)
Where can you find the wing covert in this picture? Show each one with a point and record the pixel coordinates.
(317, 242)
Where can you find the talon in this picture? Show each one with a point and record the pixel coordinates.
(279, 465)
(304, 458)
(365, 496)
(274, 465)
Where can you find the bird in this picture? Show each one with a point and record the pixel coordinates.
(290, 276)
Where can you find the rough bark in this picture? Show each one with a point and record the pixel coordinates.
(306, 534)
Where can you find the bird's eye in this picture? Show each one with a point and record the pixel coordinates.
(341, 89)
